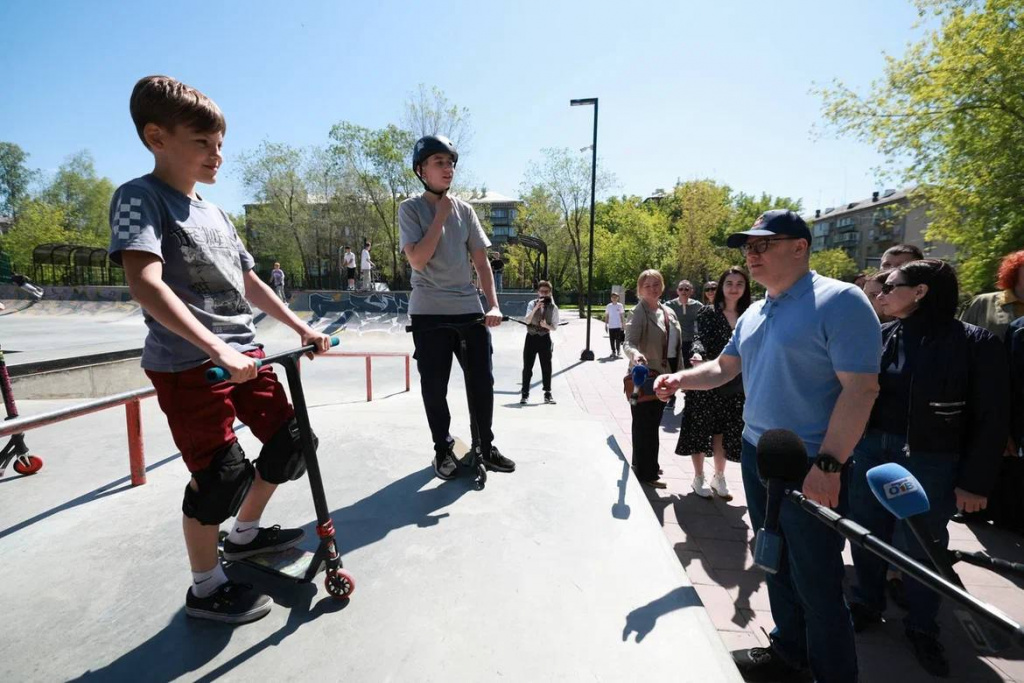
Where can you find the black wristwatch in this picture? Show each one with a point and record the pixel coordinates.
(828, 464)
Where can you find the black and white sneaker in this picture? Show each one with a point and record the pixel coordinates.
(764, 664)
(497, 462)
(446, 466)
(232, 603)
(549, 399)
(524, 399)
(271, 540)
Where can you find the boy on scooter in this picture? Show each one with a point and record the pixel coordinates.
(440, 235)
(190, 272)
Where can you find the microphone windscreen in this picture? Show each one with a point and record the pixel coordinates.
(781, 455)
(639, 375)
(898, 490)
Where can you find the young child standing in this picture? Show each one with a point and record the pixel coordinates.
(193, 277)
(440, 235)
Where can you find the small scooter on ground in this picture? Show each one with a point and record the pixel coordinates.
(15, 450)
(297, 564)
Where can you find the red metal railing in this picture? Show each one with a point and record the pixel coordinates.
(131, 400)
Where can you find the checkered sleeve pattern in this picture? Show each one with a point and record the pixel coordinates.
(134, 222)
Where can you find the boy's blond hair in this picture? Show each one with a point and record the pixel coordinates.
(169, 103)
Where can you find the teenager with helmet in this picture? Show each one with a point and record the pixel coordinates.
(442, 238)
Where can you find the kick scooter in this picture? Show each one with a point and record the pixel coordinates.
(15, 449)
(297, 564)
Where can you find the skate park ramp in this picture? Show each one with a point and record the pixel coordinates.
(557, 572)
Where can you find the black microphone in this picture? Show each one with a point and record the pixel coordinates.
(781, 462)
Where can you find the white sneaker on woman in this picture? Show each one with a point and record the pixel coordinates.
(699, 487)
(720, 488)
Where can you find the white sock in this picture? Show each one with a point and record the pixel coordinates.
(205, 583)
(244, 532)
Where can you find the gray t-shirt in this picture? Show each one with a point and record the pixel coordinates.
(445, 285)
(203, 263)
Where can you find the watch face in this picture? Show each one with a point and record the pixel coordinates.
(827, 463)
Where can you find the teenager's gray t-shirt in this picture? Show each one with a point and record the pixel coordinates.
(445, 285)
(203, 263)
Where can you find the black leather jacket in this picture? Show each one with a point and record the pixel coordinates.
(959, 398)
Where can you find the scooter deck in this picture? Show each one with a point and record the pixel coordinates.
(463, 453)
(292, 563)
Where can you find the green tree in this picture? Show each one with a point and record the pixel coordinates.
(430, 112)
(15, 178)
(699, 214)
(834, 263)
(564, 177)
(38, 223)
(629, 238)
(84, 199)
(949, 114)
(379, 164)
(278, 223)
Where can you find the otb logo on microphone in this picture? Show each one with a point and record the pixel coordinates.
(900, 487)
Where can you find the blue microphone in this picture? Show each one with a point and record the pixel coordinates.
(899, 492)
(640, 373)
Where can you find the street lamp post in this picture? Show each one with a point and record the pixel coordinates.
(588, 354)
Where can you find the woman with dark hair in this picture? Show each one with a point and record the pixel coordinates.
(713, 420)
(872, 287)
(943, 413)
(710, 288)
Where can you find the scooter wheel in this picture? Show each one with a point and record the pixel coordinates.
(339, 583)
(481, 476)
(28, 464)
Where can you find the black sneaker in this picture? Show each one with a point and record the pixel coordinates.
(271, 540)
(549, 399)
(446, 465)
(929, 653)
(863, 617)
(232, 603)
(525, 398)
(497, 462)
(764, 664)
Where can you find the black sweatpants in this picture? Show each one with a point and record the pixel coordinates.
(537, 345)
(616, 335)
(435, 348)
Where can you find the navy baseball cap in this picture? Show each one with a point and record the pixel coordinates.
(771, 224)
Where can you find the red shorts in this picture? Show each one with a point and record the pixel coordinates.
(201, 414)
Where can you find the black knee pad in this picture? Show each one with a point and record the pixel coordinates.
(222, 487)
(281, 459)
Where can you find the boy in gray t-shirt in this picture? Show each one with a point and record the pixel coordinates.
(194, 279)
(440, 235)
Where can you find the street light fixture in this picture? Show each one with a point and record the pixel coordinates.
(588, 354)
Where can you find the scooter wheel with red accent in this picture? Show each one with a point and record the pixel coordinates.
(339, 583)
(28, 464)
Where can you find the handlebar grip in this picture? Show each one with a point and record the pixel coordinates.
(335, 341)
(219, 374)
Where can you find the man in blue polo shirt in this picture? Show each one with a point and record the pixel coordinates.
(809, 353)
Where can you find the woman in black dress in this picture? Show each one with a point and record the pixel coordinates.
(713, 419)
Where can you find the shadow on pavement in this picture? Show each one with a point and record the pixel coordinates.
(642, 620)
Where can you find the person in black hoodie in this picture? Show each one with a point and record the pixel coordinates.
(943, 413)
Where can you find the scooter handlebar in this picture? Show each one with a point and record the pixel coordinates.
(219, 374)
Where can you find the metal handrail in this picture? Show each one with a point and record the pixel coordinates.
(25, 423)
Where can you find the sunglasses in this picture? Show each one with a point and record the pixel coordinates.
(711, 289)
(888, 287)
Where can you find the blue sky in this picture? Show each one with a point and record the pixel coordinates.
(688, 90)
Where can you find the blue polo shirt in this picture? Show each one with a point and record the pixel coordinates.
(791, 348)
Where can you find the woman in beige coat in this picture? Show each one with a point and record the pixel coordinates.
(651, 332)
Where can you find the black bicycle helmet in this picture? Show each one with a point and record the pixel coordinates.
(432, 144)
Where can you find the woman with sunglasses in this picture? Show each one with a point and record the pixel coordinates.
(713, 419)
(710, 287)
(943, 413)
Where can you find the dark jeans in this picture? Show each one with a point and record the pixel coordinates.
(537, 345)
(435, 348)
(937, 474)
(646, 427)
(616, 335)
(812, 621)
